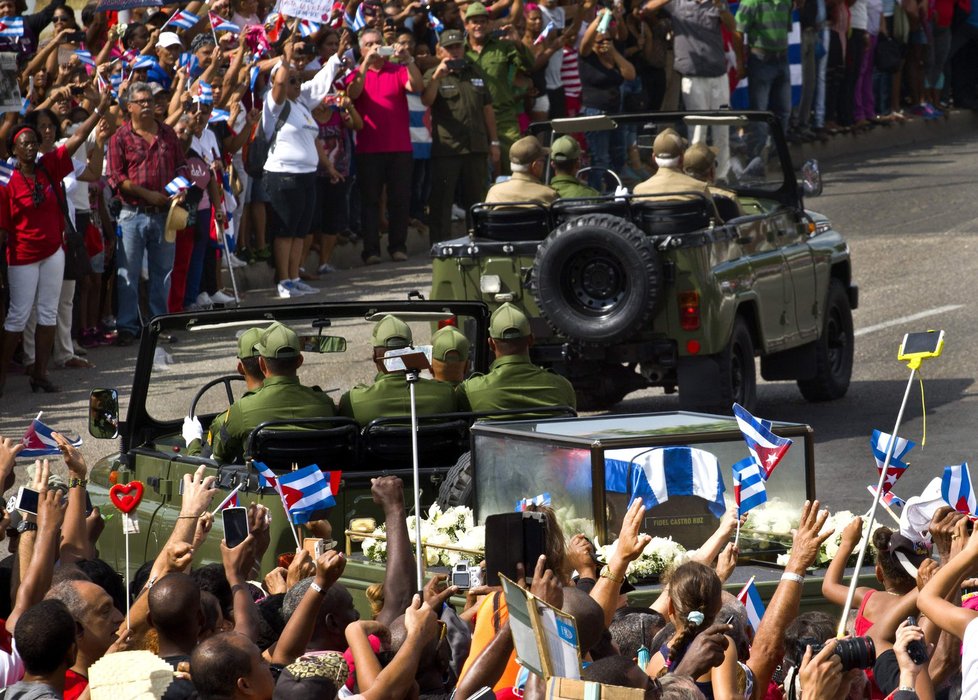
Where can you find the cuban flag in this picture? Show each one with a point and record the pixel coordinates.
(435, 23)
(39, 442)
(766, 447)
(116, 80)
(143, 62)
(748, 483)
(665, 472)
(253, 79)
(184, 19)
(889, 498)
(751, 599)
(266, 477)
(129, 55)
(308, 27)
(957, 489)
(356, 21)
(177, 185)
(219, 115)
(85, 57)
(12, 27)
(219, 24)
(205, 93)
(544, 34)
(6, 172)
(542, 500)
(184, 59)
(879, 443)
(308, 490)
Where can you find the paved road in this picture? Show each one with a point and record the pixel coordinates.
(911, 218)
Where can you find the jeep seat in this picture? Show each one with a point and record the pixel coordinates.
(328, 442)
(508, 223)
(386, 442)
(665, 217)
(566, 209)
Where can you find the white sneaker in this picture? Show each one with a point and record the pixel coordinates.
(458, 214)
(304, 288)
(233, 261)
(326, 268)
(159, 359)
(287, 291)
(204, 300)
(220, 297)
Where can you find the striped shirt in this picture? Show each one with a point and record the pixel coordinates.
(570, 75)
(766, 23)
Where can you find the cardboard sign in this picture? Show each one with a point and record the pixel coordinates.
(315, 10)
(570, 689)
(545, 638)
(10, 100)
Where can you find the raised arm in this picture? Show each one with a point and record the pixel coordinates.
(75, 544)
(631, 544)
(833, 588)
(399, 584)
(298, 631)
(933, 598)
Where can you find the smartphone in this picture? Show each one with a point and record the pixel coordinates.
(513, 538)
(75, 36)
(77, 89)
(455, 64)
(235, 526)
(921, 345)
(386, 51)
(27, 500)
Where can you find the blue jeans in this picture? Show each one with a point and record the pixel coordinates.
(142, 234)
(607, 150)
(769, 86)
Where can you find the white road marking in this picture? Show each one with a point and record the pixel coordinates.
(907, 319)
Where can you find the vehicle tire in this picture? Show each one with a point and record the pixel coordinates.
(456, 490)
(597, 279)
(714, 384)
(833, 350)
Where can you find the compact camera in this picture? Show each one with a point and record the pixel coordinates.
(466, 576)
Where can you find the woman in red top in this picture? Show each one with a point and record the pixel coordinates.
(32, 224)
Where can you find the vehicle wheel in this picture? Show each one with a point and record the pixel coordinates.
(714, 384)
(456, 490)
(833, 350)
(597, 279)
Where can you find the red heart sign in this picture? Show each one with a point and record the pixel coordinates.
(126, 497)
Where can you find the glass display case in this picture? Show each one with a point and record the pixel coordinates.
(579, 462)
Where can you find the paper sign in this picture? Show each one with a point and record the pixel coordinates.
(315, 10)
(10, 100)
(130, 524)
(545, 638)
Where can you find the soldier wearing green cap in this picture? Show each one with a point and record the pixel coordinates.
(281, 396)
(389, 395)
(513, 381)
(449, 355)
(565, 155)
(507, 66)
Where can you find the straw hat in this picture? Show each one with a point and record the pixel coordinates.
(176, 219)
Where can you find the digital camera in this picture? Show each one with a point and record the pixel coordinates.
(466, 576)
(855, 652)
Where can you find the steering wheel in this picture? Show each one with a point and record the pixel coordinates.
(225, 380)
(605, 174)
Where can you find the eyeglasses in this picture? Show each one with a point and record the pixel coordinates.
(145, 102)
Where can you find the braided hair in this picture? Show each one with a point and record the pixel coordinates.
(694, 591)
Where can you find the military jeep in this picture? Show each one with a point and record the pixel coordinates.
(679, 291)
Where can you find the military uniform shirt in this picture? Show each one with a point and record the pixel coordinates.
(390, 396)
(279, 399)
(195, 447)
(668, 181)
(521, 187)
(500, 61)
(569, 187)
(458, 119)
(515, 382)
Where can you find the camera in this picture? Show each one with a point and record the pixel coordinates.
(855, 652)
(466, 576)
(387, 51)
(916, 650)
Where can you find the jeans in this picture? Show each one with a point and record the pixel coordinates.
(607, 148)
(820, 71)
(769, 86)
(809, 76)
(142, 233)
(420, 187)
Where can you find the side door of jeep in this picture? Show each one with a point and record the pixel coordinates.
(757, 236)
(802, 307)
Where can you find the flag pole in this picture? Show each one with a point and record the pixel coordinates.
(412, 379)
(737, 536)
(854, 582)
(227, 500)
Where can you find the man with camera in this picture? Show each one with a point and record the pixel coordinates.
(464, 131)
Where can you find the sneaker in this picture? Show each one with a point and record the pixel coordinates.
(125, 339)
(106, 336)
(159, 360)
(372, 260)
(325, 268)
(458, 214)
(303, 275)
(221, 297)
(304, 288)
(399, 256)
(78, 349)
(286, 290)
(109, 322)
(204, 301)
(89, 338)
(233, 261)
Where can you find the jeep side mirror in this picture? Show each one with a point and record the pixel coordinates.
(811, 178)
(322, 343)
(103, 414)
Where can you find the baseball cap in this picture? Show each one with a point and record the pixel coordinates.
(392, 333)
(169, 39)
(156, 89)
(668, 144)
(565, 149)
(910, 554)
(476, 9)
(278, 341)
(699, 158)
(449, 339)
(247, 342)
(451, 38)
(526, 151)
(508, 323)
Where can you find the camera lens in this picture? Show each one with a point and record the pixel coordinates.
(856, 652)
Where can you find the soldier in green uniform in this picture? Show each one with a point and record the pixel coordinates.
(281, 396)
(389, 394)
(506, 66)
(565, 154)
(248, 367)
(463, 129)
(449, 355)
(513, 381)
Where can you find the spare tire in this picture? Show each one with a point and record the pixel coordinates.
(597, 279)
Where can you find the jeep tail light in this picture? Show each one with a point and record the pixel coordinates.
(689, 311)
(450, 321)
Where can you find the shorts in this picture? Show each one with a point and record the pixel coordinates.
(257, 193)
(541, 104)
(292, 203)
(98, 262)
(332, 213)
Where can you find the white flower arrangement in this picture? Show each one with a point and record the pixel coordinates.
(454, 527)
(830, 548)
(659, 555)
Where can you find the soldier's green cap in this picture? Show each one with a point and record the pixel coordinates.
(565, 149)
(392, 333)
(449, 339)
(247, 342)
(476, 9)
(278, 341)
(451, 38)
(508, 323)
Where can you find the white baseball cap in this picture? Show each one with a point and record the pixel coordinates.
(169, 39)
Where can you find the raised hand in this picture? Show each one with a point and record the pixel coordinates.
(74, 459)
(198, 492)
(807, 540)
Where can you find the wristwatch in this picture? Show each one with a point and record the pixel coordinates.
(75, 481)
(24, 526)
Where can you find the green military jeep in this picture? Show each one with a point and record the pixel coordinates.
(684, 291)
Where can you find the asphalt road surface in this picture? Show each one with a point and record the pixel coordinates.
(911, 218)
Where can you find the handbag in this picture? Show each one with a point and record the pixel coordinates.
(889, 54)
(93, 240)
(77, 263)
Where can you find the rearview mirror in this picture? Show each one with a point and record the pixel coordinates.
(103, 414)
(811, 178)
(322, 343)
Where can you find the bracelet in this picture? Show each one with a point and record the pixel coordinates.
(906, 689)
(75, 481)
(193, 517)
(316, 587)
(788, 576)
(494, 143)
(149, 584)
(607, 573)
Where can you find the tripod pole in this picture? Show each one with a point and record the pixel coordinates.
(412, 379)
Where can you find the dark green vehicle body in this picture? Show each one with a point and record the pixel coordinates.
(778, 270)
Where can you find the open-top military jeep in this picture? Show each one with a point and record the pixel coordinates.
(682, 290)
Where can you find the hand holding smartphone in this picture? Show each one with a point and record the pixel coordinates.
(235, 526)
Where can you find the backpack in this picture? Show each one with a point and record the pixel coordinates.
(260, 145)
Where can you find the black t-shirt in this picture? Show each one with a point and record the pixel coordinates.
(600, 85)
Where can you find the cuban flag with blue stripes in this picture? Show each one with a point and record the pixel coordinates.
(144, 62)
(6, 172)
(184, 19)
(957, 489)
(766, 447)
(739, 97)
(205, 93)
(748, 484)
(889, 498)
(38, 441)
(751, 599)
(219, 115)
(435, 23)
(12, 27)
(356, 21)
(219, 24)
(542, 500)
(177, 185)
(85, 57)
(658, 474)
(308, 490)
(307, 27)
(880, 443)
